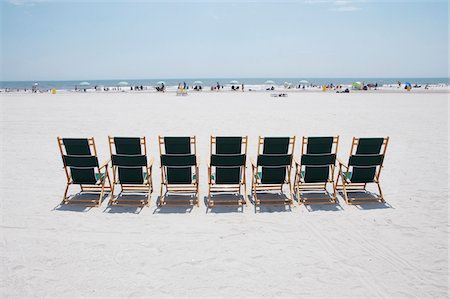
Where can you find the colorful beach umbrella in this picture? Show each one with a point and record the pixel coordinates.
(357, 85)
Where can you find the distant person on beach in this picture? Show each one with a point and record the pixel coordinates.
(218, 86)
(242, 86)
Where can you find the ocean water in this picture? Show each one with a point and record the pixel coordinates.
(207, 82)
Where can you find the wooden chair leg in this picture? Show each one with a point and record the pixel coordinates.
(65, 201)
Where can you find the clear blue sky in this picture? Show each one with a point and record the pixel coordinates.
(49, 40)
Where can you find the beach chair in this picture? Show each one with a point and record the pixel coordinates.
(179, 169)
(130, 170)
(316, 169)
(363, 168)
(226, 169)
(272, 170)
(81, 165)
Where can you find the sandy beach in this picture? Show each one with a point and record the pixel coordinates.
(393, 250)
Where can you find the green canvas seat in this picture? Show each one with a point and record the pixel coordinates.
(364, 167)
(179, 166)
(131, 169)
(82, 168)
(272, 168)
(316, 168)
(226, 167)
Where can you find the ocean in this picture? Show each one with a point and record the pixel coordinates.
(207, 82)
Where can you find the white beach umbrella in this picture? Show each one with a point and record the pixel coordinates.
(234, 82)
(198, 82)
(84, 83)
(123, 83)
(303, 82)
(269, 82)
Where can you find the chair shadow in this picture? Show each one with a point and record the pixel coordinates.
(127, 207)
(366, 204)
(271, 207)
(73, 206)
(175, 204)
(319, 195)
(230, 204)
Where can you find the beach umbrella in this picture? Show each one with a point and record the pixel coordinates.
(357, 85)
(84, 83)
(35, 84)
(269, 82)
(161, 83)
(303, 82)
(198, 82)
(123, 83)
(234, 82)
(408, 84)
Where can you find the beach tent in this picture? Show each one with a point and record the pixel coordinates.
(357, 85)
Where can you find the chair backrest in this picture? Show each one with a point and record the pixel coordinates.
(275, 158)
(366, 159)
(228, 157)
(318, 158)
(80, 160)
(129, 159)
(178, 156)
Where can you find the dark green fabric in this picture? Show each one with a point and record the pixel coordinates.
(273, 175)
(85, 176)
(177, 145)
(274, 160)
(276, 145)
(81, 161)
(129, 161)
(228, 145)
(130, 175)
(228, 175)
(362, 175)
(178, 160)
(316, 174)
(77, 146)
(365, 160)
(318, 159)
(367, 146)
(128, 145)
(228, 160)
(179, 175)
(319, 145)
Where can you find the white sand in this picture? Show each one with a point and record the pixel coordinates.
(370, 251)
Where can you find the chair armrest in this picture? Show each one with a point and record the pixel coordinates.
(297, 163)
(253, 163)
(208, 164)
(341, 163)
(105, 164)
(150, 162)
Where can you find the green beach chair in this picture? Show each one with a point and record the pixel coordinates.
(316, 168)
(226, 169)
(179, 169)
(363, 168)
(81, 165)
(130, 170)
(273, 169)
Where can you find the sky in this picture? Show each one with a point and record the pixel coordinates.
(74, 40)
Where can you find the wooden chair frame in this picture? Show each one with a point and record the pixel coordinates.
(147, 186)
(257, 186)
(227, 188)
(178, 188)
(346, 186)
(100, 187)
(300, 185)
